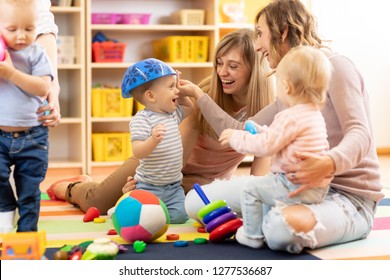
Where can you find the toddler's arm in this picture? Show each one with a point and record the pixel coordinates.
(34, 85)
(142, 149)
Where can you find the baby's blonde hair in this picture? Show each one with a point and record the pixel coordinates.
(309, 71)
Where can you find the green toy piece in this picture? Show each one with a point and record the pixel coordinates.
(139, 246)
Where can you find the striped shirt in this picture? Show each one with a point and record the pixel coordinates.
(163, 166)
(299, 128)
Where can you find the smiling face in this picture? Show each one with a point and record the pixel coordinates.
(162, 95)
(263, 43)
(233, 73)
(18, 24)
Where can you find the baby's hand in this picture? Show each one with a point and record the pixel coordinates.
(6, 67)
(224, 139)
(158, 132)
(130, 184)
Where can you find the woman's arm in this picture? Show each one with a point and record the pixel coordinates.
(260, 166)
(189, 130)
(34, 85)
(48, 30)
(220, 120)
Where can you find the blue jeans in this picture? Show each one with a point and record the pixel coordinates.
(28, 152)
(173, 197)
(267, 191)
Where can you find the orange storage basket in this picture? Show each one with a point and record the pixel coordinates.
(108, 52)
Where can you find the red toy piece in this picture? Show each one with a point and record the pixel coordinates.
(173, 236)
(112, 232)
(91, 214)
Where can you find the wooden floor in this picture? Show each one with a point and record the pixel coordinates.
(244, 169)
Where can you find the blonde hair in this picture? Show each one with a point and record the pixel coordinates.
(260, 91)
(290, 15)
(308, 70)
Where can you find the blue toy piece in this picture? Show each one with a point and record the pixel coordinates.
(99, 37)
(201, 194)
(250, 127)
(142, 72)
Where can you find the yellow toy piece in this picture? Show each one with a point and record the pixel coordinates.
(23, 245)
(99, 220)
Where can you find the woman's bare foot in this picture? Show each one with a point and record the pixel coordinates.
(57, 191)
(130, 184)
(60, 190)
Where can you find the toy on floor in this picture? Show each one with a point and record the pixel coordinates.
(220, 221)
(101, 249)
(91, 214)
(140, 215)
(139, 246)
(24, 246)
(3, 47)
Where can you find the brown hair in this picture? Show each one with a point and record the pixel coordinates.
(138, 92)
(292, 15)
(260, 91)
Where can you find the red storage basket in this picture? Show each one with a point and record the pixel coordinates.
(108, 52)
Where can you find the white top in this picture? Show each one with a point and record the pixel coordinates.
(163, 166)
(46, 22)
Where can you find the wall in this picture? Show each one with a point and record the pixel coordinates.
(360, 30)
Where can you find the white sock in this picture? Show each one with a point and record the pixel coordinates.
(243, 239)
(7, 221)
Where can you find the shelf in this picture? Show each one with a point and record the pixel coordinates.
(67, 142)
(125, 65)
(152, 27)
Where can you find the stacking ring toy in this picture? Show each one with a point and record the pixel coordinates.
(215, 213)
(220, 221)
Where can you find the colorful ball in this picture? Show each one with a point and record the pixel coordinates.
(140, 215)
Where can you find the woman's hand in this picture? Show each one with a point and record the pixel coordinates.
(311, 171)
(53, 106)
(187, 88)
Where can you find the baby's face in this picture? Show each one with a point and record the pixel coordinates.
(18, 24)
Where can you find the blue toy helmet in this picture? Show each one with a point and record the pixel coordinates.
(142, 72)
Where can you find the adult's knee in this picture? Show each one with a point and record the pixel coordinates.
(285, 229)
(192, 204)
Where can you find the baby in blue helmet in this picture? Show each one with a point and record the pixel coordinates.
(155, 134)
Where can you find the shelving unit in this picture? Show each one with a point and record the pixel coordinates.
(67, 148)
(139, 46)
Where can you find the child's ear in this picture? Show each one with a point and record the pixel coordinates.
(149, 96)
(287, 86)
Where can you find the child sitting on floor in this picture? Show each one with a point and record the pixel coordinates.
(155, 134)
